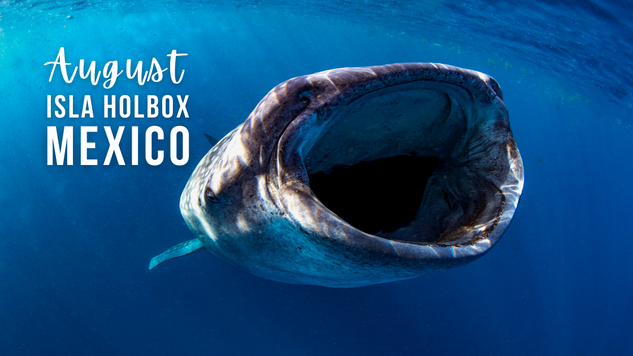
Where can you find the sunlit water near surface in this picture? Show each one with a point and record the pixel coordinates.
(75, 241)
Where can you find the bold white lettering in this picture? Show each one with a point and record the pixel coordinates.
(136, 113)
(124, 106)
(114, 146)
(110, 107)
(52, 144)
(135, 145)
(170, 107)
(87, 107)
(152, 106)
(183, 106)
(85, 145)
(61, 112)
(173, 145)
(70, 108)
(148, 146)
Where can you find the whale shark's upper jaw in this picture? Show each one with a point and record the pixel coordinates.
(358, 176)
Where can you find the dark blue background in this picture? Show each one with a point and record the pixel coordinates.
(75, 242)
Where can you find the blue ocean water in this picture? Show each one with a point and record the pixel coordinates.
(75, 241)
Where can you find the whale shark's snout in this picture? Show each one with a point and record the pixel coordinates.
(357, 176)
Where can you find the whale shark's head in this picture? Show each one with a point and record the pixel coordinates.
(357, 176)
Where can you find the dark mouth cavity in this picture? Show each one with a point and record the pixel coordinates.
(405, 164)
(376, 196)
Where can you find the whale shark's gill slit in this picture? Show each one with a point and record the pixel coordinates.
(377, 196)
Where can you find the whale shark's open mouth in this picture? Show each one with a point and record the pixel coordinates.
(355, 176)
(417, 163)
(377, 197)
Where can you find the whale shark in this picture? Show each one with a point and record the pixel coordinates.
(356, 176)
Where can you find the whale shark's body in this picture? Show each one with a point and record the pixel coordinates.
(356, 176)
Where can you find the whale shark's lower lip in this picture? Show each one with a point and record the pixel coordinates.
(357, 176)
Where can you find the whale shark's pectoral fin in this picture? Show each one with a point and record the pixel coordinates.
(182, 249)
(212, 140)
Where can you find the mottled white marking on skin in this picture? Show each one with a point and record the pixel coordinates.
(242, 223)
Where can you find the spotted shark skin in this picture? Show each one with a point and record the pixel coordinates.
(250, 203)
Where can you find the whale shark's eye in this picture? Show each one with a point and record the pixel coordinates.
(209, 196)
(304, 97)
